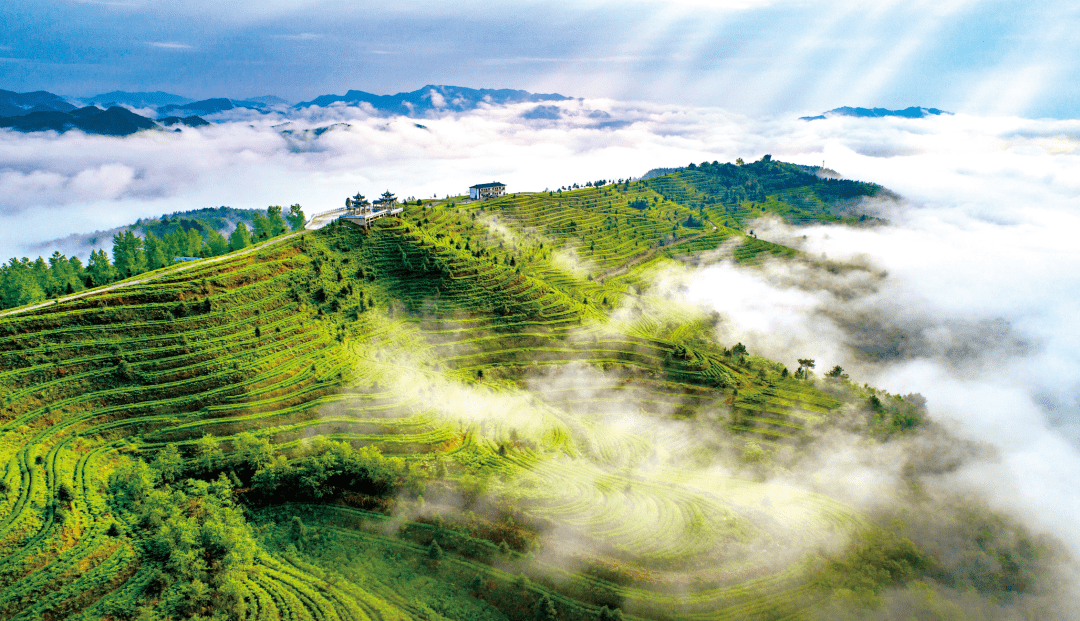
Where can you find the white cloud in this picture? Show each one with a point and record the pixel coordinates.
(981, 278)
(978, 267)
(169, 45)
(303, 36)
(437, 99)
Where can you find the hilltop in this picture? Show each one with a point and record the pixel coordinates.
(476, 410)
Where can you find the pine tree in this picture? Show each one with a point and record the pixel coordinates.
(194, 243)
(545, 609)
(240, 237)
(100, 269)
(155, 252)
(275, 223)
(216, 243)
(434, 552)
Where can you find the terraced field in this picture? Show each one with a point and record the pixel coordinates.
(560, 435)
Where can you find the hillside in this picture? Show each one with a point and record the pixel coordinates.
(478, 410)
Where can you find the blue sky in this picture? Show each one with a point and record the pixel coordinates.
(757, 58)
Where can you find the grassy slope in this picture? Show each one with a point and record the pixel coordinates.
(424, 337)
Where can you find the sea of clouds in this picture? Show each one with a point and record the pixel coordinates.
(972, 282)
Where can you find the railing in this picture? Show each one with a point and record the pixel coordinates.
(312, 217)
(375, 214)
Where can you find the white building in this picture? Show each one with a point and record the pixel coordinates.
(483, 191)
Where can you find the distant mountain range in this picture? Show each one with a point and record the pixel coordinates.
(913, 112)
(43, 111)
(115, 121)
(433, 98)
(19, 104)
(136, 100)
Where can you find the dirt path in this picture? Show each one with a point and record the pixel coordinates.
(316, 222)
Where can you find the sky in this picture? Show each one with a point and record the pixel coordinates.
(977, 266)
(755, 57)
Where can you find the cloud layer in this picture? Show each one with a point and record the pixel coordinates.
(966, 296)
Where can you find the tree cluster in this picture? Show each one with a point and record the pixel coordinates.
(193, 534)
(332, 470)
(23, 281)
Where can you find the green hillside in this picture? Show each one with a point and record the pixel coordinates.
(474, 411)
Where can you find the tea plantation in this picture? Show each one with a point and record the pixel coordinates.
(478, 410)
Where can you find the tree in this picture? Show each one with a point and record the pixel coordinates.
(44, 277)
(174, 244)
(837, 372)
(805, 364)
(240, 237)
(297, 530)
(739, 350)
(155, 252)
(296, 217)
(99, 267)
(128, 256)
(194, 243)
(169, 463)
(545, 609)
(78, 270)
(434, 552)
(18, 285)
(216, 243)
(269, 225)
(276, 225)
(256, 452)
(209, 449)
(64, 273)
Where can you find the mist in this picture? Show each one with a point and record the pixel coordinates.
(965, 294)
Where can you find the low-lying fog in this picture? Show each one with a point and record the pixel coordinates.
(967, 297)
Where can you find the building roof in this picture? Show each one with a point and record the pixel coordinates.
(493, 184)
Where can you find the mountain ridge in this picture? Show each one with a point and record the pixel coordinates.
(912, 112)
(115, 121)
(433, 97)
